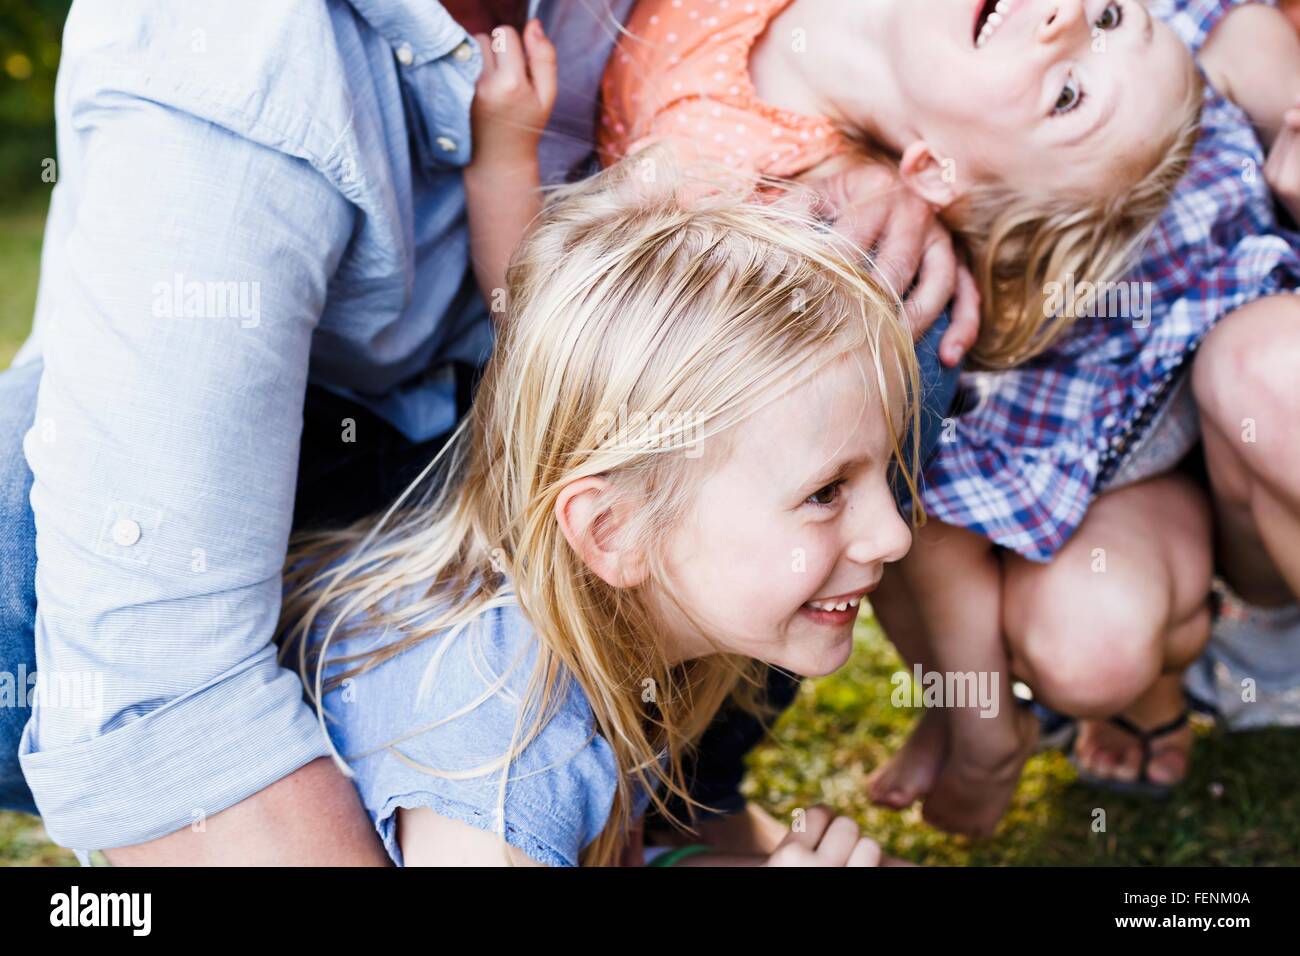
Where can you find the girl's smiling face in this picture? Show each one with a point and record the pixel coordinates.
(799, 518)
(1044, 93)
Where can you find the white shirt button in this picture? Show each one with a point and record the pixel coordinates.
(462, 52)
(446, 144)
(126, 532)
(405, 55)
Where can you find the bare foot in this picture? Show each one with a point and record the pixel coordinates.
(909, 775)
(969, 798)
(1108, 752)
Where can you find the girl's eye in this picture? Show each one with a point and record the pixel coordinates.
(827, 495)
(1111, 17)
(1070, 98)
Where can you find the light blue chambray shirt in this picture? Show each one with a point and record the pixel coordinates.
(251, 194)
(430, 726)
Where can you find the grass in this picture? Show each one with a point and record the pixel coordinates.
(21, 229)
(1241, 805)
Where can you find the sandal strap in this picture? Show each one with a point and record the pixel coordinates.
(1146, 737)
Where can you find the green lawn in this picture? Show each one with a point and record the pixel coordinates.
(20, 250)
(1240, 807)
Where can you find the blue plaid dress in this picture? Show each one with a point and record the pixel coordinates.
(1032, 447)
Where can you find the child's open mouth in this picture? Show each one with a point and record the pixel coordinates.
(988, 18)
(836, 611)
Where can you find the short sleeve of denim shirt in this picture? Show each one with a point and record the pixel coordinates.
(450, 704)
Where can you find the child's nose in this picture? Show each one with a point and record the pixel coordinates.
(1063, 17)
(884, 537)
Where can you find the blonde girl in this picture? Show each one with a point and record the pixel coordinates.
(676, 467)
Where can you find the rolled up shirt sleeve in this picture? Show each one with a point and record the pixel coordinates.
(165, 455)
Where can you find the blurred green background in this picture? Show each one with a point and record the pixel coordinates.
(1241, 805)
(29, 58)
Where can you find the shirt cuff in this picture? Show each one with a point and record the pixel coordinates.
(174, 767)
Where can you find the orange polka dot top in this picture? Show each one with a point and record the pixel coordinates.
(681, 73)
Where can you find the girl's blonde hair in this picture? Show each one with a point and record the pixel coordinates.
(1023, 246)
(623, 297)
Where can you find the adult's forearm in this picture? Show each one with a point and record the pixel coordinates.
(313, 817)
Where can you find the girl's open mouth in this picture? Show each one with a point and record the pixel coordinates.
(836, 611)
(988, 18)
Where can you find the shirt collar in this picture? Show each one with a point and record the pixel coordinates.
(424, 24)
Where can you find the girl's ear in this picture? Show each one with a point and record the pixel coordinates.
(929, 175)
(595, 532)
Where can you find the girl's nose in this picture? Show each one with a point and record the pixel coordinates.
(886, 537)
(1062, 20)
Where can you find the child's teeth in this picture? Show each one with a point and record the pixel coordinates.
(836, 606)
(993, 22)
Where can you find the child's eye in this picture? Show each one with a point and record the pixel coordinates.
(827, 495)
(1111, 17)
(1070, 98)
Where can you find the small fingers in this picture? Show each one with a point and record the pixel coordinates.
(815, 821)
(508, 54)
(541, 63)
(838, 843)
(866, 853)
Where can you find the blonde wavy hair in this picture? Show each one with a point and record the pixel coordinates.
(623, 296)
(1021, 244)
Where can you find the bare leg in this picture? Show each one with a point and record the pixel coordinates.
(909, 774)
(955, 582)
(1110, 624)
(1244, 380)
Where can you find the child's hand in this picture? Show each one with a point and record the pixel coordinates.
(1282, 169)
(514, 95)
(826, 840)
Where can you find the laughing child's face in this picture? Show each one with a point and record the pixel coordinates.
(1045, 93)
(789, 534)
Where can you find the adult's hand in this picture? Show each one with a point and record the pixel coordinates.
(912, 250)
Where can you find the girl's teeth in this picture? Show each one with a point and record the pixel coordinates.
(840, 606)
(993, 22)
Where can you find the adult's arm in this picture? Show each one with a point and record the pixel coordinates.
(183, 302)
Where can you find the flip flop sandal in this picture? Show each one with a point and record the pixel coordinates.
(1142, 786)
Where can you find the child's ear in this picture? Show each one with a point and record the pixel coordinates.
(595, 532)
(929, 175)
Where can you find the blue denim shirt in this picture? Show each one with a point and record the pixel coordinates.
(450, 704)
(251, 194)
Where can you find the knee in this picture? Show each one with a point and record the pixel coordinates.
(1244, 378)
(1081, 655)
